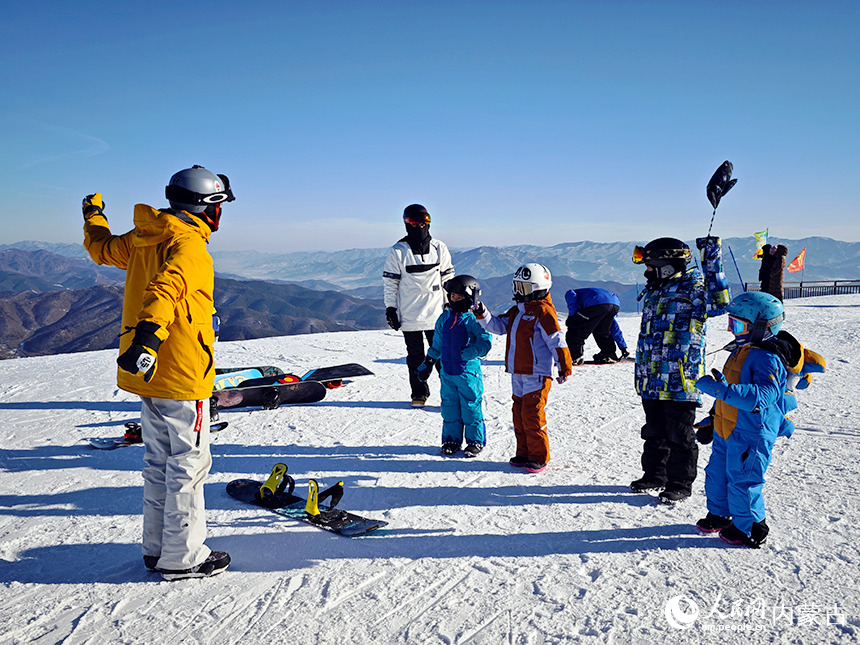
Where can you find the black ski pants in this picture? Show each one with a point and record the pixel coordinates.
(597, 320)
(670, 452)
(414, 357)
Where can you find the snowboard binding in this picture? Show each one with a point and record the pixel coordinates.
(271, 400)
(276, 486)
(315, 497)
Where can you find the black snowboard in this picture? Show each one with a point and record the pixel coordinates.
(268, 393)
(110, 443)
(290, 505)
(336, 372)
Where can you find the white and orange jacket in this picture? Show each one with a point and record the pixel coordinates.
(535, 340)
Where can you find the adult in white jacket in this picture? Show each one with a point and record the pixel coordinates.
(413, 275)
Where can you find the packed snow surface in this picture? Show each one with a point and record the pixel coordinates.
(474, 551)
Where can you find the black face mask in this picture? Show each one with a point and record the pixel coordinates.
(460, 306)
(657, 275)
(212, 216)
(418, 238)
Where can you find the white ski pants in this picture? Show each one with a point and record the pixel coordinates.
(176, 463)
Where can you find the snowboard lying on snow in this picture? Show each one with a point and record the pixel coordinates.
(276, 495)
(110, 443)
(226, 377)
(233, 377)
(247, 387)
(269, 393)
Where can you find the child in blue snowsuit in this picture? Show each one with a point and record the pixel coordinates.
(753, 396)
(459, 343)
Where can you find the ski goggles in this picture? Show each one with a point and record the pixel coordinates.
(184, 196)
(738, 326)
(418, 219)
(523, 288)
(641, 257)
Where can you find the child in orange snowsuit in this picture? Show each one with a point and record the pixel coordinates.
(535, 343)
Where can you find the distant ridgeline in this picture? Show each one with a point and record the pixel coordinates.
(54, 299)
(51, 304)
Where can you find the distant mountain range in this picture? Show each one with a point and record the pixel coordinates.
(267, 294)
(53, 304)
(826, 259)
(354, 269)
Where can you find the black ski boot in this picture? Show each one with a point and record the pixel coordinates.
(217, 562)
(472, 450)
(673, 495)
(449, 449)
(644, 484)
(758, 535)
(605, 359)
(713, 523)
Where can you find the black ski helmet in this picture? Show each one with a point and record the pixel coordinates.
(666, 255)
(466, 286)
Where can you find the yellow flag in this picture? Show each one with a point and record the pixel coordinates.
(760, 241)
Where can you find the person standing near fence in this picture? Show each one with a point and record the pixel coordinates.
(772, 270)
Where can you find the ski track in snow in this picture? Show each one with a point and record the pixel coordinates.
(475, 552)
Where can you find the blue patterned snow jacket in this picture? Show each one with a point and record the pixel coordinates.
(670, 353)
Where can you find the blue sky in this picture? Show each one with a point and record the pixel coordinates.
(513, 122)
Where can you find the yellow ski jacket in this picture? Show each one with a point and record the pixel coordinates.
(169, 281)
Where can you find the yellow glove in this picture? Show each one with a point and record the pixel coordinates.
(93, 205)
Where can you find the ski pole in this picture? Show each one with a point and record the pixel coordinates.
(743, 284)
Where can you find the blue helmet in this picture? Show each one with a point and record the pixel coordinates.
(763, 311)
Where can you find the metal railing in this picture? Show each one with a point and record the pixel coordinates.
(811, 288)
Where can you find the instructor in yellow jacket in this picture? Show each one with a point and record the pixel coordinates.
(165, 357)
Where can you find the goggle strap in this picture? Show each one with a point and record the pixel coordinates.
(184, 196)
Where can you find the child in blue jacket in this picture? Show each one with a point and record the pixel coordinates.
(459, 343)
(753, 398)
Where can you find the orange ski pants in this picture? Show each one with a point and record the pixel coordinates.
(530, 423)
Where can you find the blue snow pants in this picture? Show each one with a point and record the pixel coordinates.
(462, 415)
(734, 478)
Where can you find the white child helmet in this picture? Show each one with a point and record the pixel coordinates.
(532, 281)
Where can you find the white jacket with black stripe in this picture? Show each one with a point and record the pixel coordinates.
(413, 283)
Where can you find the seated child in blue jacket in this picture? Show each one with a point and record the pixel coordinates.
(753, 398)
(458, 344)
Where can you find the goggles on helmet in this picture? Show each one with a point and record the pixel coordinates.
(641, 256)
(523, 288)
(182, 195)
(417, 219)
(738, 326)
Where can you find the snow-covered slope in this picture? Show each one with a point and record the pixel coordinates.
(474, 552)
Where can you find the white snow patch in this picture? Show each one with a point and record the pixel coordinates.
(474, 552)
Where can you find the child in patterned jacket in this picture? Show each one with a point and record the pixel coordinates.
(670, 357)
